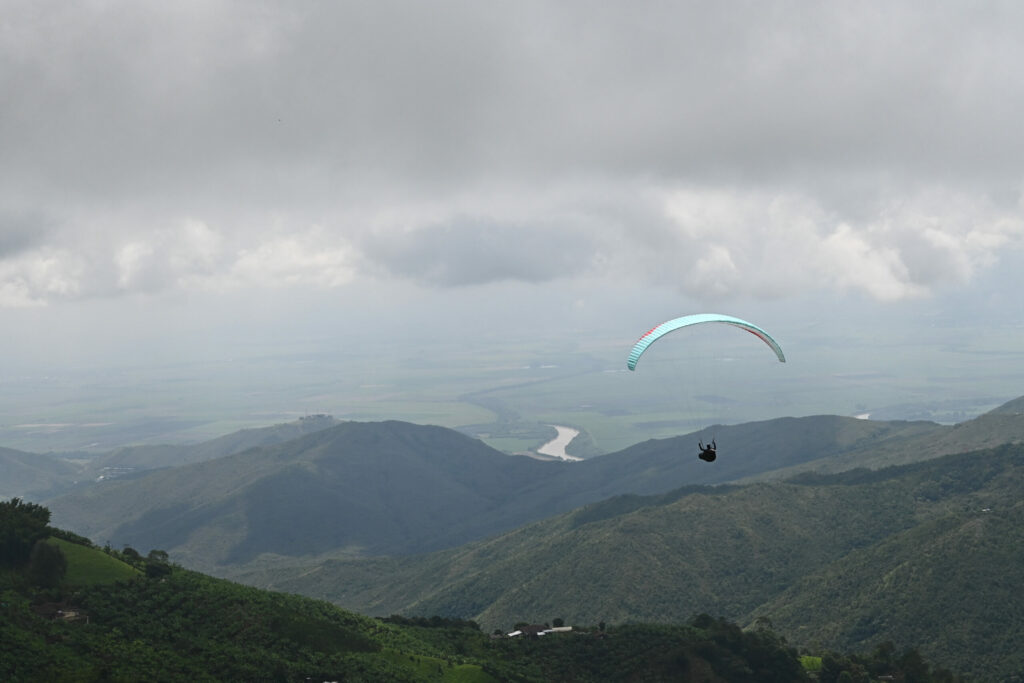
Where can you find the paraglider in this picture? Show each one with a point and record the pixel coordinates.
(656, 333)
(707, 453)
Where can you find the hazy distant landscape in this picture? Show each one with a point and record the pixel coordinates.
(506, 388)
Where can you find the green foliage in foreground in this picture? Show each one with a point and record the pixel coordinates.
(118, 616)
(705, 649)
(22, 525)
(185, 626)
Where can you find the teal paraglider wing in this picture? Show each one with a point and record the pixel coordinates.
(656, 333)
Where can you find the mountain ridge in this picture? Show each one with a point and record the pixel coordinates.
(396, 488)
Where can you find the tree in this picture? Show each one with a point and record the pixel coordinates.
(158, 564)
(131, 556)
(158, 556)
(47, 565)
(157, 570)
(21, 526)
(913, 667)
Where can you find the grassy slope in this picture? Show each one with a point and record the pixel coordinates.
(89, 566)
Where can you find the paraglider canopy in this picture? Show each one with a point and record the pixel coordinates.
(661, 330)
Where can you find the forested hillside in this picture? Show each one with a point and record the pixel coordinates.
(363, 488)
(842, 561)
(115, 615)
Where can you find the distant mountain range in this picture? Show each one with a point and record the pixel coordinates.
(42, 476)
(391, 488)
(637, 534)
(155, 457)
(32, 475)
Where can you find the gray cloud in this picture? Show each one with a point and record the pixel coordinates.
(697, 146)
(138, 97)
(469, 251)
(21, 230)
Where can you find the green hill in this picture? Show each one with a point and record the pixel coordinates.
(178, 625)
(357, 487)
(925, 555)
(88, 566)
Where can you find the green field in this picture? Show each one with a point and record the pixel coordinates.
(89, 566)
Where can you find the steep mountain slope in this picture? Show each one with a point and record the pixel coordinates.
(713, 550)
(364, 487)
(32, 474)
(926, 555)
(745, 450)
(1014, 407)
(1000, 426)
(949, 585)
(43, 476)
(153, 457)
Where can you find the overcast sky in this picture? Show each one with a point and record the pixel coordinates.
(193, 157)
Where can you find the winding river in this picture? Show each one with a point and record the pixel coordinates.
(556, 447)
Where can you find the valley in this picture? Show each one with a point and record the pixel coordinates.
(395, 518)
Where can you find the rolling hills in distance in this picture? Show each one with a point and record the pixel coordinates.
(34, 474)
(45, 475)
(375, 516)
(392, 488)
